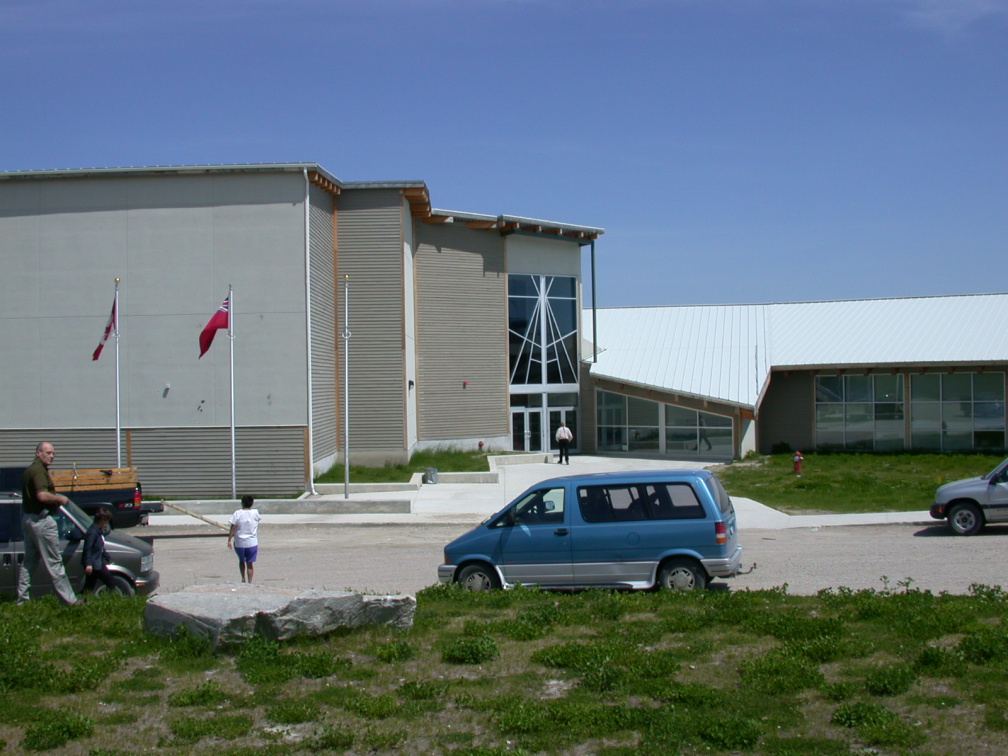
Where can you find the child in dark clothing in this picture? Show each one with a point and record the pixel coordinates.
(95, 557)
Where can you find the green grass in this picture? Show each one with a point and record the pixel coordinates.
(847, 483)
(893, 670)
(445, 460)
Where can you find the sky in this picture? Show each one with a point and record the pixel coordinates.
(734, 151)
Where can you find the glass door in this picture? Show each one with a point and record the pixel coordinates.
(526, 429)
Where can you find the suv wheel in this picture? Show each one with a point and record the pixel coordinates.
(965, 519)
(120, 585)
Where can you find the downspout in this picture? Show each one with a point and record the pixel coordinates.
(594, 311)
(311, 410)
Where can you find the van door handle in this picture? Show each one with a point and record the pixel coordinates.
(560, 531)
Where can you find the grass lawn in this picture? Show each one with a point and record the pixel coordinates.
(445, 460)
(844, 483)
(522, 672)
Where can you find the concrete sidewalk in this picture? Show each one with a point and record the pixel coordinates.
(468, 504)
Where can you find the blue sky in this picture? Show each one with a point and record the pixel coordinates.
(735, 151)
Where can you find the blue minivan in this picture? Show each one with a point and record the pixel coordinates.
(670, 529)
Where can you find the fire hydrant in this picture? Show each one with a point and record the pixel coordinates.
(797, 459)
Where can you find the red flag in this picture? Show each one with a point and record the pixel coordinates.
(112, 323)
(219, 320)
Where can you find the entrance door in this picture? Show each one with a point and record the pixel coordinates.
(526, 429)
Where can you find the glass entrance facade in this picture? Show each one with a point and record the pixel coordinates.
(542, 358)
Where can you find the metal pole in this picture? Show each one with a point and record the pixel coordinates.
(346, 387)
(115, 327)
(594, 310)
(234, 486)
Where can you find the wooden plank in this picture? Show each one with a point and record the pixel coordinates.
(94, 479)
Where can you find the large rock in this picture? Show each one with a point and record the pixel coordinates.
(230, 613)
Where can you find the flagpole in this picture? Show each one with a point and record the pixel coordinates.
(231, 315)
(115, 327)
(346, 387)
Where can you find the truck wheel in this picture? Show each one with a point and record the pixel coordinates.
(681, 575)
(479, 578)
(965, 519)
(120, 585)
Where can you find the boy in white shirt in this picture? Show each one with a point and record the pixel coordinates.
(245, 534)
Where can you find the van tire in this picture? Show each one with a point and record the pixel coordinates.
(479, 578)
(120, 585)
(681, 575)
(965, 519)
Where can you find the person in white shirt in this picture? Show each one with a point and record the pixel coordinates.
(563, 439)
(245, 535)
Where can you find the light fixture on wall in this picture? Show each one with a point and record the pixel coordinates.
(410, 385)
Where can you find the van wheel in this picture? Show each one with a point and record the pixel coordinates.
(479, 578)
(120, 585)
(681, 575)
(965, 519)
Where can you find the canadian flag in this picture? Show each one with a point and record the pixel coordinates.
(112, 324)
(218, 321)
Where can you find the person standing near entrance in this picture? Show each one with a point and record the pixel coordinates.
(41, 535)
(563, 439)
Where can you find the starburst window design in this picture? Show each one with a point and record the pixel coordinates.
(542, 325)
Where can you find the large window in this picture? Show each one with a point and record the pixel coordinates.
(542, 330)
(632, 424)
(860, 412)
(948, 411)
(957, 411)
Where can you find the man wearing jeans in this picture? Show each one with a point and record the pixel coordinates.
(41, 536)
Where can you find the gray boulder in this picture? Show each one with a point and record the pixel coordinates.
(229, 613)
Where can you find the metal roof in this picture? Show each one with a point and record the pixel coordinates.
(726, 352)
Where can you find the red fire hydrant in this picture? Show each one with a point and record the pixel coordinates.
(797, 459)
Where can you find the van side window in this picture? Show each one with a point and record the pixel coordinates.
(542, 507)
(673, 501)
(721, 496)
(612, 504)
(10, 522)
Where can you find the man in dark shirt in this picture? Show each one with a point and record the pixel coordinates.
(41, 535)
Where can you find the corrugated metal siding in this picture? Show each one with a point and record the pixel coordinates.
(175, 462)
(461, 334)
(787, 414)
(323, 324)
(196, 462)
(369, 232)
(88, 447)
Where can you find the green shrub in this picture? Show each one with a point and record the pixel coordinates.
(337, 738)
(209, 693)
(776, 672)
(469, 650)
(394, 651)
(890, 681)
(57, 729)
(877, 725)
(293, 712)
(984, 645)
(260, 662)
(226, 727)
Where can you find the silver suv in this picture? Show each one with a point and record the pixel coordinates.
(132, 558)
(968, 505)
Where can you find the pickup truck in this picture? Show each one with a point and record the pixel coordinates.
(116, 488)
(132, 558)
(968, 505)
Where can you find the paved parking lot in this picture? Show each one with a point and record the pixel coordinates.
(404, 559)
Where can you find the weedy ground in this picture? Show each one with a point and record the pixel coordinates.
(888, 671)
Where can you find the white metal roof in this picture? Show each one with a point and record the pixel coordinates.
(726, 352)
